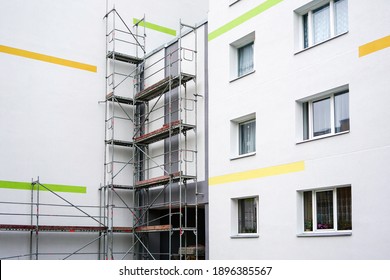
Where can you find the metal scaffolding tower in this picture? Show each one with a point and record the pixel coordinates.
(163, 145)
(124, 53)
(150, 188)
(166, 153)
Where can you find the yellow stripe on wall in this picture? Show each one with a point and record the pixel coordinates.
(374, 46)
(48, 58)
(258, 173)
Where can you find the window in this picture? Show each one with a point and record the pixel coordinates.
(245, 59)
(247, 137)
(327, 210)
(245, 217)
(243, 136)
(326, 115)
(322, 20)
(242, 56)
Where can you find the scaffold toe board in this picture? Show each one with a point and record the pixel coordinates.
(156, 228)
(164, 132)
(52, 228)
(163, 86)
(124, 57)
(119, 143)
(162, 180)
(116, 186)
(120, 99)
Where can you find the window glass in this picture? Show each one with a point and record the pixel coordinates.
(245, 59)
(324, 202)
(247, 141)
(308, 211)
(305, 108)
(247, 215)
(329, 115)
(321, 117)
(321, 24)
(321, 208)
(305, 31)
(341, 16)
(341, 112)
(344, 209)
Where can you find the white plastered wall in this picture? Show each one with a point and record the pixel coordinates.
(51, 120)
(282, 76)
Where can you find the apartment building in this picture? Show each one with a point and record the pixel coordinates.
(106, 148)
(299, 146)
(103, 130)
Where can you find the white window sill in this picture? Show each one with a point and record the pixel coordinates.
(322, 234)
(243, 156)
(245, 235)
(322, 137)
(238, 78)
(320, 43)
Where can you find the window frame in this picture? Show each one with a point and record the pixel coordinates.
(306, 122)
(235, 223)
(312, 117)
(235, 136)
(239, 49)
(305, 23)
(248, 39)
(314, 230)
(240, 140)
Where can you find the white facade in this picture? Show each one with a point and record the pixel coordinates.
(279, 140)
(53, 68)
(284, 165)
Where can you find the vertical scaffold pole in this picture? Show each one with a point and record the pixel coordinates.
(32, 218)
(37, 224)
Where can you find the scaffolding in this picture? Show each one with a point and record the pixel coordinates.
(125, 50)
(44, 218)
(150, 184)
(160, 150)
(165, 144)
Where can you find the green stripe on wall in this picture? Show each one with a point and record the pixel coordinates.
(155, 27)
(243, 18)
(52, 187)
